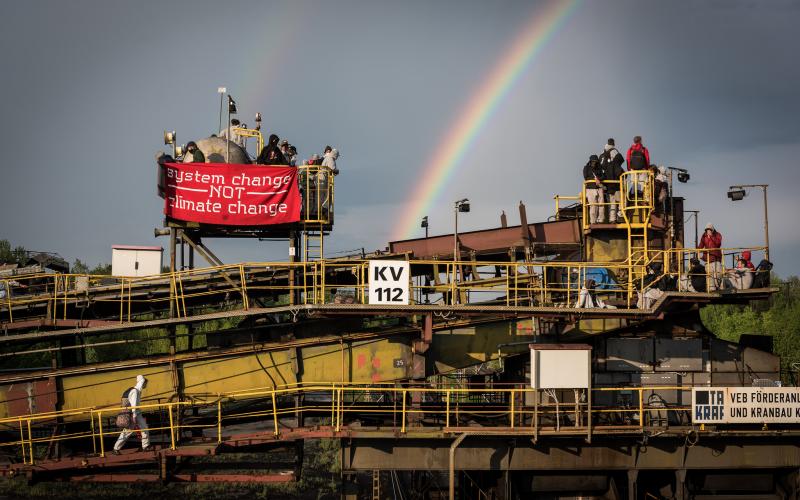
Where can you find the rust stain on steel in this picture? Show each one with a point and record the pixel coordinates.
(26, 398)
(565, 232)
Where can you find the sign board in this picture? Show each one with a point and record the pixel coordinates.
(561, 366)
(229, 194)
(745, 405)
(388, 282)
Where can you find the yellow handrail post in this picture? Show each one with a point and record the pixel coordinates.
(513, 397)
(182, 296)
(22, 441)
(333, 403)
(274, 413)
(641, 409)
(447, 410)
(219, 420)
(403, 423)
(66, 294)
(30, 440)
(8, 301)
(121, 301)
(340, 412)
(245, 301)
(171, 429)
(100, 435)
(94, 440)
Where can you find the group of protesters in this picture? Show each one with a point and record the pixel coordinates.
(604, 172)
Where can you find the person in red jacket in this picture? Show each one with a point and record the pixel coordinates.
(711, 241)
(638, 155)
(638, 159)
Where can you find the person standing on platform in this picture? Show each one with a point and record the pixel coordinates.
(638, 159)
(593, 180)
(611, 163)
(711, 241)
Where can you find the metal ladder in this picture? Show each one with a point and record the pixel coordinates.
(313, 242)
(376, 484)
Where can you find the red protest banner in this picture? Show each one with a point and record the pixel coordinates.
(237, 195)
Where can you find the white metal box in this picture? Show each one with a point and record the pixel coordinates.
(561, 366)
(133, 260)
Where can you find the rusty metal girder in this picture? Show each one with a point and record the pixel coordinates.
(493, 241)
(482, 453)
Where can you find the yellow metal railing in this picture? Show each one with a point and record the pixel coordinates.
(633, 201)
(402, 409)
(459, 283)
(251, 132)
(316, 185)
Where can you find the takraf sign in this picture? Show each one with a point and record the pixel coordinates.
(746, 405)
(227, 194)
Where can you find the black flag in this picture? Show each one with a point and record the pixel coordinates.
(231, 105)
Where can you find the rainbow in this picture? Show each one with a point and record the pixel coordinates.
(544, 24)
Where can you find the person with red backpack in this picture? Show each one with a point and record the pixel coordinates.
(638, 159)
(638, 155)
(131, 398)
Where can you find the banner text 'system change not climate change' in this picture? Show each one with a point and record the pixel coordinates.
(239, 195)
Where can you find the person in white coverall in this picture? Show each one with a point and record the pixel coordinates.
(135, 397)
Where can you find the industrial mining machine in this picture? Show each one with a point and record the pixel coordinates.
(554, 358)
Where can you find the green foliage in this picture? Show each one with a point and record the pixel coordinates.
(16, 256)
(80, 267)
(779, 318)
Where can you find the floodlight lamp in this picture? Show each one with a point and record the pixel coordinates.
(169, 137)
(736, 194)
(180, 150)
(464, 207)
(424, 222)
(221, 90)
(683, 177)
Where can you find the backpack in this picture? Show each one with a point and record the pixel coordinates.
(638, 159)
(761, 278)
(124, 419)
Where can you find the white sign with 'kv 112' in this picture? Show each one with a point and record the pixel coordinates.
(388, 282)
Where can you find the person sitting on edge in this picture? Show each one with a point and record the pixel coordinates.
(746, 256)
(740, 278)
(611, 164)
(594, 189)
(197, 155)
(712, 242)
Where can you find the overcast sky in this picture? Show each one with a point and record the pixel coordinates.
(89, 86)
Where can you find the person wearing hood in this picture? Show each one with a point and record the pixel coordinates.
(593, 180)
(329, 160)
(134, 395)
(611, 164)
(271, 154)
(746, 256)
(711, 241)
(197, 155)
